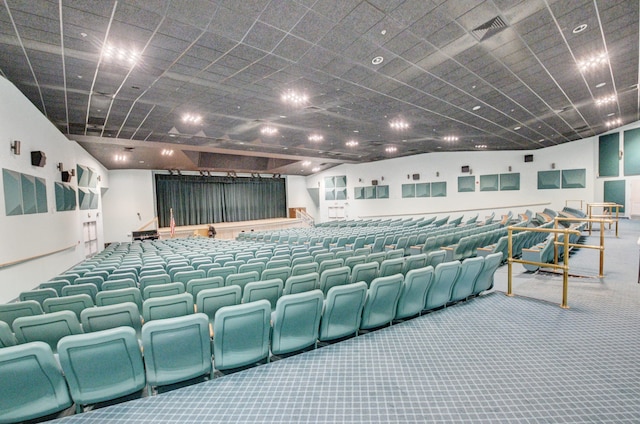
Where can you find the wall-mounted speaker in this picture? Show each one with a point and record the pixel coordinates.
(38, 158)
(374, 182)
(465, 169)
(509, 168)
(66, 176)
(416, 176)
(528, 158)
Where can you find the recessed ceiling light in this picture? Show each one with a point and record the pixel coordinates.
(295, 98)
(306, 163)
(356, 131)
(611, 114)
(476, 107)
(316, 169)
(481, 146)
(80, 76)
(315, 137)
(517, 128)
(602, 84)
(83, 34)
(391, 149)
(399, 124)
(450, 138)
(383, 32)
(592, 62)
(614, 122)
(282, 116)
(605, 100)
(191, 119)
(580, 28)
(377, 60)
(351, 143)
(541, 140)
(140, 161)
(111, 52)
(172, 135)
(268, 130)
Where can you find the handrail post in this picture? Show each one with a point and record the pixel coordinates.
(565, 273)
(601, 274)
(509, 263)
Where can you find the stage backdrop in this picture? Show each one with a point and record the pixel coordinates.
(202, 200)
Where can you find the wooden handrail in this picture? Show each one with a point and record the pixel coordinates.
(154, 219)
(31, 258)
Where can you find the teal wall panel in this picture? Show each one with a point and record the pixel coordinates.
(28, 183)
(41, 195)
(614, 191)
(574, 178)
(439, 189)
(608, 160)
(382, 192)
(510, 181)
(632, 152)
(548, 180)
(466, 184)
(358, 192)
(489, 182)
(11, 182)
(408, 190)
(424, 189)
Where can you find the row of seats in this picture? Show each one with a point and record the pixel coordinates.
(108, 364)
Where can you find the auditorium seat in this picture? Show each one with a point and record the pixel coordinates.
(221, 272)
(414, 262)
(96, 279)
(414, 292)
(76, 304)
(377, 257)
(281, 273)
(122, 283)
(102, 366)
(48, 328)
(364, 272)
(150, 280)
(305, 268)
(435, 257)
(86, 288)
(10, 311)
(382, 301)
(444, 277)
(56, 284)
(466, 280)
(304, 259)
(330, 264)
(390, 267)
(194, 286)
(394, 254)
(120, 275)
(111, 297)
(342, 311)
(173, 271)
(270, 290)
(7, 338)
(176, 350)
(241, 335)
(209, 301)
(354, 260)
(255, 266)
(296, 322)
(167, 306)
(185, 276)
(334, 277)
(111, 316)
(301, 283)
(485, 278)
(37, 390)
(39, 295)
(241, 280)
(160, 290)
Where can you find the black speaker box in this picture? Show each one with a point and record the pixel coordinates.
(465, 169)
(374, 182)
(66, 177)
(528, 158)
(38, 158)
(416, 176)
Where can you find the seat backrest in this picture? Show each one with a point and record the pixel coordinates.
(321, 257)
(301, 283)
(56, 284)
(7, 338)
(103, 365)
(254, 266)
(334, 277)
(185, 276)
(39, 295)
(10, 311)
(485, 278)
(330, 264)
(342, 311)
(382, 301)
(96, 279)
(37, 390)
(303, 259)
(414, 292)
(167, 306)
(394, 254)
(150, 280)
(86, 288)
(110, 297)
(391, 267)
(241, 334)
(209, 301)
(270, 290)
(176, 349)
(159, 290)
(277, 262)
(223, 272)
(111, 316)
(173, 271)
(365, 272)
(296, 322)
(241, 280)
(464, 284)
(282, 273)
(48, 328)
(436, 257)
(76, 304)
(197, 284)
(121, 283)
(120, 275)
(305, 268)
(444, 277)
(414, 262)
(355, 260)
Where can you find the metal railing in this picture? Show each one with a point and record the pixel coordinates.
(566, 202)
(607, 212)
(303, 215)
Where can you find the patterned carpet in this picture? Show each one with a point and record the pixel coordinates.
(494, 359)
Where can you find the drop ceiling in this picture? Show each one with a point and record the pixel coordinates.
(130, 79)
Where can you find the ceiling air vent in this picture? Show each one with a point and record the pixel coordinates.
(489, 28)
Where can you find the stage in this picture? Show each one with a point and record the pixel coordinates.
(230, 230)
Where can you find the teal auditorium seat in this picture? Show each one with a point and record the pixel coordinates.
(270, 290)
(390, 267)
(241, 280)
(209, 301)
(7, 338)
(120, 283)
(10, 311)
(89, 289)
(96, 279)
(365, 272)
(282, 273)
(414, 292)
(48, 328)
(194, 286)
(305, 268)
(150, 280)
(241, 335)
(31, 383)
(57, 285)
(75, 304)
(443, 279)
(301, 283)
(160, 290)
(111, 297)
(167, 306)
(102, 366)
(485, 279)
(469, 272)
(111, 316)
(39, 295)
(296, 322)
(436, 257)
(414, 262)
(334, 277)
(176, 349)
(330, 264)
(382, 301)
(185, 276)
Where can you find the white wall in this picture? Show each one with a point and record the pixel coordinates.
(128, 204)
(26, 236)
(299, 197)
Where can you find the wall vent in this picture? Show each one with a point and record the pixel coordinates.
(489, 28)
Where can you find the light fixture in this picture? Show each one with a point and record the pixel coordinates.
(268, 130)
(316, 137)
(120, 158)
(592, 62)
(580, 28)
(450, 138)
(167, 152)
(60, 166)
(477, 107)
(351, 143)
(602, 84)
(399, 124)
(294, 98)
(15, 147)
(517, 128)
(306, 163)
(377, 60)
(191, 119)
(122, 55)
(614, 122)
(391, 149)
(480, 146)
(605, 100)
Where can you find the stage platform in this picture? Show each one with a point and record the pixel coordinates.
(230, 230)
